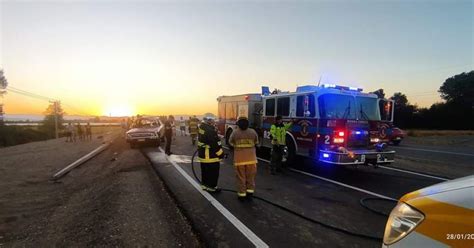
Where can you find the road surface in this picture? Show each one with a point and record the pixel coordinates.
(326, 193)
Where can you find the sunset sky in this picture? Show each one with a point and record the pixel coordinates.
(163, 57)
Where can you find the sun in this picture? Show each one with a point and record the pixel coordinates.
(119, 110)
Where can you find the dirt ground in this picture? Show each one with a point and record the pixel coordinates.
(115, 199)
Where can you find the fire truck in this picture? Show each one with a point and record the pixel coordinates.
(331, 124)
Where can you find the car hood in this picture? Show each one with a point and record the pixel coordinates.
(141, 130)
(464, 182)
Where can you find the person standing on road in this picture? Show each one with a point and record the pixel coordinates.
(182, 126)
(169, 134)
(210, 154)
(244, 140)
(80, 132)
(88, 131)
(278, 134)
(193, 129)
(69, 131)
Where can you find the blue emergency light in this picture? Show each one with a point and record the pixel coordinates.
(340, 87)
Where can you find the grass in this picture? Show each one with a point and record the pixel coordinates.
(425, 133)
(16, 135)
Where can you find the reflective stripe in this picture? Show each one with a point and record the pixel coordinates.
(241, 194)
(219, 152)
(203, 145)
(244, 143)
(246, 162)
(206, 153)
(201, 131)
(244, 146)
(250, 191)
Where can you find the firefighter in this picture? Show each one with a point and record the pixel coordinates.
(169, 134)
(210, 154)
(278, 134)
(244, 140)
(193, 128)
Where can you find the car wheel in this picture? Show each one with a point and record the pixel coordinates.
(396, 142)
(132, 145)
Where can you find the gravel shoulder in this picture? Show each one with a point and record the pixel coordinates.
(115, 199)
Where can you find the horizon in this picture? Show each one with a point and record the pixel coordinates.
(160, 58)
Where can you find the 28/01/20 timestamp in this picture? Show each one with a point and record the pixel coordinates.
(460, 236)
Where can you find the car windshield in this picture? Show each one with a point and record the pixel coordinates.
(332, 106)
(144, 123)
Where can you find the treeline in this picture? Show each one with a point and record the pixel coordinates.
(455, 113)
(16, 135)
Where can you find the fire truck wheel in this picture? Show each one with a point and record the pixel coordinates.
(291, 151)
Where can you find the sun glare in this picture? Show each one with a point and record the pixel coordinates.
(119, 110)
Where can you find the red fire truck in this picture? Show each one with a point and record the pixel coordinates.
(331, 124)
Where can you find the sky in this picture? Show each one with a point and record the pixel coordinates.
(176, 57)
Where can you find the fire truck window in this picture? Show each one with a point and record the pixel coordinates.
(367, 108)
(305, 106)
(270, 107)
(283, 106)
(385, 108)
(333, 106)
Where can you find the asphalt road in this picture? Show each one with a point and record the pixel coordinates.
(326, 193)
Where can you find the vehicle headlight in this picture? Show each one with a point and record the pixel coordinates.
(374, 140)
(403, 219)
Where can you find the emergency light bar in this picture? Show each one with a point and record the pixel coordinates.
(340, 87)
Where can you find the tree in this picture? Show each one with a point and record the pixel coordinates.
(49, 126)
(379, 93)
(400, 100)
(3, 81)
(3, 86)
(403, 110)
(459, 89)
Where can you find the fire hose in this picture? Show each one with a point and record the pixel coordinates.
(323, 224)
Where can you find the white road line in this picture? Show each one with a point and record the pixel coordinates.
(342, 184)
(336, 182)
(252, 237)
(414, 173)
(436, 151)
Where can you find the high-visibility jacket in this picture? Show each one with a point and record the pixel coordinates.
(209, 144)
(244, 142)
(193, 126)
(278, 132)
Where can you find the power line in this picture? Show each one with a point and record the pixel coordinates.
(44, 98)
(26, 93)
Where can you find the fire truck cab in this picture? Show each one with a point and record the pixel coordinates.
(331, 124)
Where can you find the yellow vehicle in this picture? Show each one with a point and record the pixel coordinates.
(441, 215)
